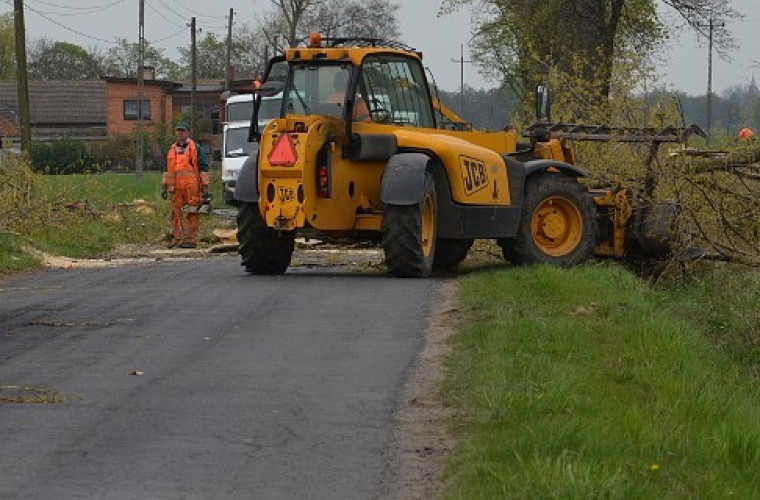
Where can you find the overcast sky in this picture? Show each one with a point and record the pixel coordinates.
(98, 22)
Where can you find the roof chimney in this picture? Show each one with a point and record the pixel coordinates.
(148, 73)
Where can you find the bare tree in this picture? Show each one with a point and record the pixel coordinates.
(355, 18)
(292, 13)
(291, 20)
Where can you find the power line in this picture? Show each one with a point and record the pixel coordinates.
(164, 16)
(711, 25)
(78, 11)
(183, 7)
(181, 16)
(461, 62)
(69, 7)
(85, 35)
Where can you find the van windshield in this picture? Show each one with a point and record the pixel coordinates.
(236, 143)
(242, 111)
(270, 108)
(239, 111)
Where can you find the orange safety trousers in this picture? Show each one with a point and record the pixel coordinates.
(187, 191)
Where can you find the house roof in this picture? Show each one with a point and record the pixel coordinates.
(160, 83)
(58, 102)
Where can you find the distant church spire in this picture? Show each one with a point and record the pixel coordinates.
(753, 85)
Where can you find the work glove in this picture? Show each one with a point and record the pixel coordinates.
(164, 192)
(206, 198)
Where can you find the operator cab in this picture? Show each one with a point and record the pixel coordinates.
(374, 86)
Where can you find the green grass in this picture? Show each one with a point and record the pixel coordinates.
(584, 383)
(105, 190)
(109, 189)
(108, 222)
(12, 256)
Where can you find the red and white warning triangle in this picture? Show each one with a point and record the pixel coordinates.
(284, 152)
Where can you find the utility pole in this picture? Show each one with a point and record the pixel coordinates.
(140, 93)
(22, 78)
(228, 75)
(461, 62)
(711, 25)
(194, 79)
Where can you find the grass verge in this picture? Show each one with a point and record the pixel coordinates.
(78, 216)
(12, 255)
(585, 383)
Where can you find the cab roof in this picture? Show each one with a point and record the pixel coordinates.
(347, 49)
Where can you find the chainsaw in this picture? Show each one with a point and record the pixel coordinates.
(203, 208)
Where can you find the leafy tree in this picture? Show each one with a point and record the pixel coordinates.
(249, 51)
(122, 60)
(7, 47)
(51, 60)
(519, 41)
(211, 54)
(247, 55)
(490, 109)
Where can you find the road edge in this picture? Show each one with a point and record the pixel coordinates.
(420, 441)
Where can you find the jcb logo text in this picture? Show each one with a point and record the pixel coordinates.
(286, 195)
(474, 174)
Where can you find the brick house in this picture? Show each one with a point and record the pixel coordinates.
(121, 104)
(98, 109)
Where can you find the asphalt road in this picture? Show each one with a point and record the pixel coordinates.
(193, 380)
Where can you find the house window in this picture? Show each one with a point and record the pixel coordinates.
(130, 109)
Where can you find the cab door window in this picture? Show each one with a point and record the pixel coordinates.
(396, 91)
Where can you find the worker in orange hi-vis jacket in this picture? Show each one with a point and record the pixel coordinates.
(186, 180)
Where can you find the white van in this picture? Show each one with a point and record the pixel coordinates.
(235, 145)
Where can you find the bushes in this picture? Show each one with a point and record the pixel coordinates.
(18, 187)
(62, 156)
(116, 153)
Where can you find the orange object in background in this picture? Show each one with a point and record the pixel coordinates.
(746, 134)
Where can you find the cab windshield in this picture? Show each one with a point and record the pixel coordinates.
(317, 89)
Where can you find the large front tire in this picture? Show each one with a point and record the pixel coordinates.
(262, 249)
(409, 235)
(558, 224)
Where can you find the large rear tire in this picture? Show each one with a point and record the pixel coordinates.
(558, 224)
(409, 235)
(449, 253)
(262, 249)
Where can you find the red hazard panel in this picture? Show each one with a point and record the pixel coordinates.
(284, 152)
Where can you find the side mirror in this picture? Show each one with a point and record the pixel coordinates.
(270, 89)
(543, 104)
(217, 155)
(380, 115)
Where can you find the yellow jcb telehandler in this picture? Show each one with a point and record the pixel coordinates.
(362, 149)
